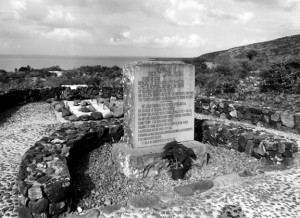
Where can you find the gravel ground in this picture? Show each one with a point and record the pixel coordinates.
(108, 187)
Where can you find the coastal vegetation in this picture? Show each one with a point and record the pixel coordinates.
(27, 77)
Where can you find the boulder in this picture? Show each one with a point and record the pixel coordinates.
(84, 103)
(35, 193)
(108, 115)
(57, 208)
(118, 112)
(59, 107)
(38, 206)
(84, 117)
(65, 112)
(76, 103)
(24, 212)
(84, 109)
(287, 119)
(57, 190)
(55, 103)
(275, 117)
(91, 108)
(73, 118)
(96, 116)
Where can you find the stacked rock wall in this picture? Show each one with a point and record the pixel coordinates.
(266, 117)
(14, 98)
(45, 173)
(260, 144)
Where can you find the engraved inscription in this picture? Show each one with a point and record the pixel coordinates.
(163, 109)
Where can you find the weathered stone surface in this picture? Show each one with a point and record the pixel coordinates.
(91, 108)
(275, 117)
(84, 117)
(38, 206)
(73, 118)
(96, 116)
(260, 149)
(249, 147)
(108, 115)
(24, 212)
(84, 109)
(65, 112)
(234, 113)
(59, 107)
(35, 193)
(287, 119)
(93, 213)
(118, 112)
(56, 190)
(190, 189)
(110, 209)
(136, 80)
(134, 163)
(57, 208)
(144, 201)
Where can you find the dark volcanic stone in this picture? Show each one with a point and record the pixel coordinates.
(56, 191)
(23, 187)
(96, 116)
(65, 112)
(24, 212)
(84, 117)
(57, 208)
(38, 206)
(84, 109)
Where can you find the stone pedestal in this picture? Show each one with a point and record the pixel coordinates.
(159, 108)
(141, 163)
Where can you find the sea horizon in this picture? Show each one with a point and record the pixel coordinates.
(9, 62)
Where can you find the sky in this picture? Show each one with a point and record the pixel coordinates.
(155, 28)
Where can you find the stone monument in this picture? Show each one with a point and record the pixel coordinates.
(159, 108)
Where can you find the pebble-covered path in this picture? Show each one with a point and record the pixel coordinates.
(18, 131)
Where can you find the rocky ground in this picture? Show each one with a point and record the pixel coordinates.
(108, 187)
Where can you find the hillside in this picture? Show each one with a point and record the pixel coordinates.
(263, 53)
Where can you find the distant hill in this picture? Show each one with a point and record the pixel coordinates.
(262, 53)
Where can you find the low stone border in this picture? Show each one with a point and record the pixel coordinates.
(45, 173)
(266, 117)
(14, 98)
(260, 144)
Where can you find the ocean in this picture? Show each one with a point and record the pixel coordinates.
(10, 62)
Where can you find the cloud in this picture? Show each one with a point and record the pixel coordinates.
(281, 4)
(200, 12)
(191, 41)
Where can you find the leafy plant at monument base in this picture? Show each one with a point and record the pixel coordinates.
(179, 157)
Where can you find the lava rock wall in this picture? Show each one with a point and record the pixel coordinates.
(265, 117)
(45, 173)
(260, 144)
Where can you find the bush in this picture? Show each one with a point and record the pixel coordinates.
(282, 77)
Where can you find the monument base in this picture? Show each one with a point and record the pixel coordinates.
(137, 163)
